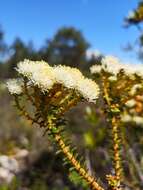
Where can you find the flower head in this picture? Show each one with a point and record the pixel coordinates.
(89, 89)
(95, 69)
(14, 86)
(113, 65)
(67, 76)
(40, 74)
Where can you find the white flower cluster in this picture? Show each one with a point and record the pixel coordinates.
(138, 120)
(14, 86)
(38, 72)
(67, 76)
(113, 65)
(45, 76)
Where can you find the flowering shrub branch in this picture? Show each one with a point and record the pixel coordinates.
(113, 113)
(43, 94)
(122, 88)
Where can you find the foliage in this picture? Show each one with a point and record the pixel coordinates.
(68, 47)
(135, 18)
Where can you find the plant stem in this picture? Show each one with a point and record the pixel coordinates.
(115, 137)
(116, 149)
(80, 170)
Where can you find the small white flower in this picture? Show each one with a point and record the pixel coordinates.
(130, 103)
(111, 64)
(138, 120)
(14, 86)
(39, 72)
(89, 89)
(27, 67)
(95, 69)
(44, 79)
(67, 76)
(126, 118)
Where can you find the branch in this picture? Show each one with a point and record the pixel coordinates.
(75, 163)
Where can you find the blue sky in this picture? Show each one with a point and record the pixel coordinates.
(101, 22)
